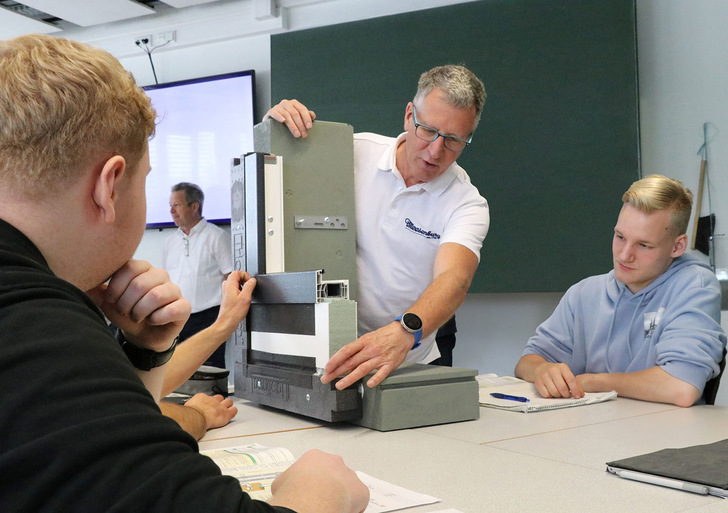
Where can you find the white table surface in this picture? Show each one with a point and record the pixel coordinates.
(253, 419)
(552, 461)
(494, 425)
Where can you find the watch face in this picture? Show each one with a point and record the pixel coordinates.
(412, 321)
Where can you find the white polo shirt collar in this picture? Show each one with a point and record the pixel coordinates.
(194, 230)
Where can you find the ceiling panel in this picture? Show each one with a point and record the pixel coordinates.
(186, 3)
(14, 24)
(86, 13)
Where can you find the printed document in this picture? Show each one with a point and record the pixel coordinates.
(256, 466)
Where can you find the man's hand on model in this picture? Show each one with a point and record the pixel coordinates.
(295, 115)
(384, 350)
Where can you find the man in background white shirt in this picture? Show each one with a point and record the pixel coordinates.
(198, 258)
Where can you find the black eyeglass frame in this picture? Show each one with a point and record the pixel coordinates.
(445, 138)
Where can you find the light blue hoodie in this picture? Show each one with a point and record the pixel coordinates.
(674, 322)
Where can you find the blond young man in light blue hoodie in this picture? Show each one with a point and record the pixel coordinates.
(650, 328)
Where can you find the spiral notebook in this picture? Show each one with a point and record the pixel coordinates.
(535, 401)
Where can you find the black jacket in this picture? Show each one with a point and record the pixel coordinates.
(78, 430)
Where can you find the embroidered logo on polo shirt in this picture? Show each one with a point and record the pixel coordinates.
(420, 231)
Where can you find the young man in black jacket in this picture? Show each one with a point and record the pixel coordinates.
(79, 428)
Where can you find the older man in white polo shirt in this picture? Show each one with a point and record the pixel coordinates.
(198, 258)
(420, 224)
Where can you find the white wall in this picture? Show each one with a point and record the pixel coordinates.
(683, 73)
(682, 47)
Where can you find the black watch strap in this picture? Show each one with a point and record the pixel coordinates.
(144, 359)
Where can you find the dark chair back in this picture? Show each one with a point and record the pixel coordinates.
(711, 387)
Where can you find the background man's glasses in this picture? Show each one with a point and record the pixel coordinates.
(429, 134)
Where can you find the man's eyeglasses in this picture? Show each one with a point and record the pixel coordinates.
(429, 134)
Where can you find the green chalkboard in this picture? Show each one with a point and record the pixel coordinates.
(558, 141)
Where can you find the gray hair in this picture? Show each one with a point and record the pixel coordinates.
(462, 89)
(192, 193)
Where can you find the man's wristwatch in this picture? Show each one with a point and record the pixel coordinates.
(144, 359)
(412, 324)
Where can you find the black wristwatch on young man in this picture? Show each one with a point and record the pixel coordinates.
(413, 324)
(142, 358)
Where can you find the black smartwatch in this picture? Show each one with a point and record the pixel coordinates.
(412, 324)
(144, 359)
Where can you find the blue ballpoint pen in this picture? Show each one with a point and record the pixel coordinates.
(511, 397)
